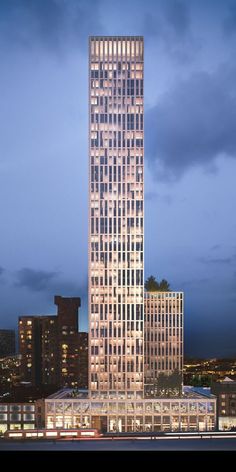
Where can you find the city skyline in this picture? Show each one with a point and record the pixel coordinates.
(189, 234)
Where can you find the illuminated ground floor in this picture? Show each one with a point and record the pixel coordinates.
(16, 416)
(226, 423)
(189, 413)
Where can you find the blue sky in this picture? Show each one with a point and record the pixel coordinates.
(190, 165)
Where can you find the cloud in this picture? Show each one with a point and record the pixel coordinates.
(215, 247)
(29, 291)
(171, 19)
(218, 260)
(229, 23)
(2, 275)
(58, 24)
(53, 23)
(193, 283)
(193, 123)
(178, 15)
(35, 280)
(49, 282)
(168, 25)
(153, 195)
(70, 288)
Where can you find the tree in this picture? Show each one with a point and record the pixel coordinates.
(164, 286)
(151, 284)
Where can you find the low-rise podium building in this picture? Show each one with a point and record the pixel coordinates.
(191, 412)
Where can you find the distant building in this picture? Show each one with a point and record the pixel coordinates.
(25, 392)
(30, 348)
(17, 416)
(10, 368)
(48, 351)
(225, 390)
(49, 346)
(163, 343)
(23, 407)
(7, 343)
(83, 360)
(67, 341)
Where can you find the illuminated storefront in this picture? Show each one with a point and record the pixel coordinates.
(193, 412)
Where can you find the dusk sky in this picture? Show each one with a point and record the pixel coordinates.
(190, 155)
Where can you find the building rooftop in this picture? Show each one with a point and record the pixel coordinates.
(24, 393)
(121, 37)
(227, 380)
(197, 392)
(69, 393)
(188, 392)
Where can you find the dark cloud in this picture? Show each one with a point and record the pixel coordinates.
(194, 282)
(178, 16)
(2, 276)
(35, 280)
(193, 123)
(229, 23)
(30, 291)
(150, 196)
(53, 23)
(171, 19)
(49, 282)
(168, 25)
(56, 24)
(218, 260)
(47, 18)
(70, 289)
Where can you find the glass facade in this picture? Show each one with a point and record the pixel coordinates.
(16, 416)
(116, 216)
(147, 415)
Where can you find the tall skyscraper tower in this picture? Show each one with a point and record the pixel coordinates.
(116, 315)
